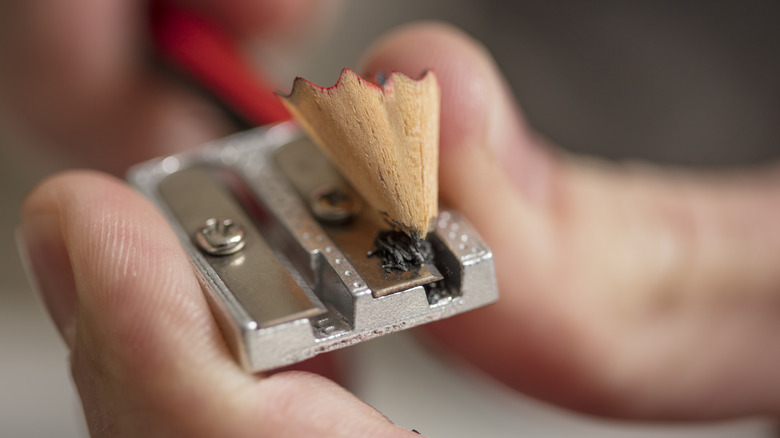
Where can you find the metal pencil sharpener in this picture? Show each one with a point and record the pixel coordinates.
(280, 241)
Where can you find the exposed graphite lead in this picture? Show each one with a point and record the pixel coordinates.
(400, 251)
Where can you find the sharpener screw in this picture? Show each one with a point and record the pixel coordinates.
(334, 205)
(220, 236)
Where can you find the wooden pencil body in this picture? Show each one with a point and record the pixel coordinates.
(383, 139)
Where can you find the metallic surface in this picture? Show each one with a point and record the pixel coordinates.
(220, 236)
(302, 286)
(194, 195)
(333, 205)
(306, 169)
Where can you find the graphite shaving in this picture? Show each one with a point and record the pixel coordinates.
(400, 251)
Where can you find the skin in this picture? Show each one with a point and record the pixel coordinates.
(627, 290)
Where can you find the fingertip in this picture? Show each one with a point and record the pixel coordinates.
(47, 267)
(122, 267)
(494, 172)
(123, 293)
(44, 253)
(492, 167)
(462, 66)
(311, 405)
(479, 118)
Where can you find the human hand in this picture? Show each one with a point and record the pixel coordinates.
(146, 356)
(84, 78)
(586, 328)
(627, 290)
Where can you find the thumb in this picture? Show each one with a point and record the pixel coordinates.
(626, 290)
(146, 355)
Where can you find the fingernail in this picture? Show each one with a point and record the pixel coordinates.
(47, 265)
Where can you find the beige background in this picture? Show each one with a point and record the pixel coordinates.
(692, 83)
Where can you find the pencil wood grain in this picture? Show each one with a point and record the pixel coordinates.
(384, 140)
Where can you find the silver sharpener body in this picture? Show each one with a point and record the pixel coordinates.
(280, 242)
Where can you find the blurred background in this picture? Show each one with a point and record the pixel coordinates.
(687, 83)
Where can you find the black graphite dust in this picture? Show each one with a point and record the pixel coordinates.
(401, 252)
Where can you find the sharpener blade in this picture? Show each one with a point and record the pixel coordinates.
(300, 283)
